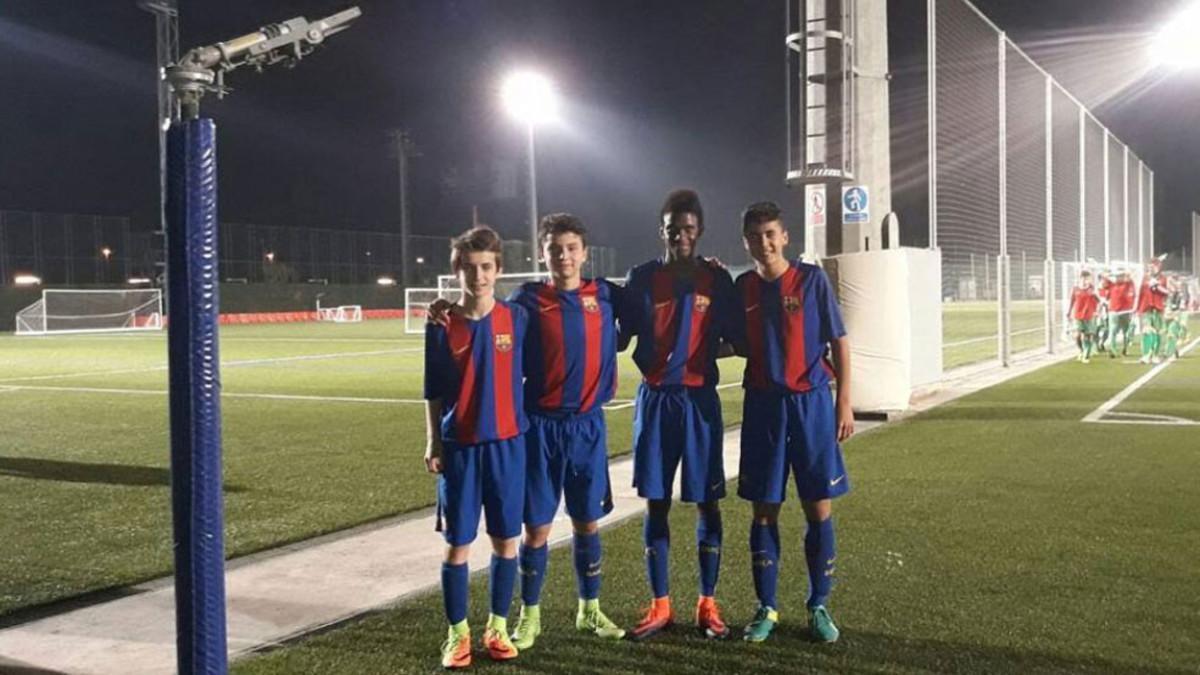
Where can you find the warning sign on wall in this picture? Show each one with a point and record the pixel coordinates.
(814, 205)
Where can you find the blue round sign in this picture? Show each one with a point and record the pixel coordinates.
(855, 200)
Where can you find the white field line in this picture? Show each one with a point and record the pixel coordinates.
(988, 338)
(224, 364)
(629, 403)
(224, 394)
(1098, 414)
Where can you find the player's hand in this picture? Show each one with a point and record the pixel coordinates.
(439, 312)
(433, 457)
(714, 262)
(845, 421)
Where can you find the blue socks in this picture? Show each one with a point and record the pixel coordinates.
(708, 547)
(764, 559)
(502, 578)
(454, 592)
(656, 532)
(820, 552)
(533, 573)
(587, 565)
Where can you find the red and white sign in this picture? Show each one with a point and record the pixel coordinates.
(814, 205)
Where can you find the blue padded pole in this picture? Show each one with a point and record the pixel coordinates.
(195, 398)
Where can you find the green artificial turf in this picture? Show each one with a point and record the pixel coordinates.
(995, 534)
(84, 471)
(970, 329)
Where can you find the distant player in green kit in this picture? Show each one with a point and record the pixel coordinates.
(1120, 294)
(1084, 305)
(1151, 302)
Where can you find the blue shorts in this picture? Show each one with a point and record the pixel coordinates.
(673, 424)
(796, 432)
(488, 475)
(566, 455)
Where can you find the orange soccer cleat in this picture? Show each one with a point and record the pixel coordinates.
(658, 617)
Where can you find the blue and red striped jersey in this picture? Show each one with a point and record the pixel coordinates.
(474, 368)
(571, 346)
(679, 323)
(789, 324)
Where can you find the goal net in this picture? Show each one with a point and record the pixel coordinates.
(89, 311)
(340, 314)
(418, 300)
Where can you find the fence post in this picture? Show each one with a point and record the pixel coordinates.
(1002, 272)
(1003, 281)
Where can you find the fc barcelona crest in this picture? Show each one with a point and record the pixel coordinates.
(791, 304)
(590, 304)
(504, 342)
(702, 303)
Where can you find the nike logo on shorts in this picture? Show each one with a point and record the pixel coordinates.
(835, 481)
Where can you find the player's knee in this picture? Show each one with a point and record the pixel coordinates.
(536, 537)
(504, 548)
(818, 510)
(590, 527)
(457, 555)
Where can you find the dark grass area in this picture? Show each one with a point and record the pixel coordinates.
(996, 534)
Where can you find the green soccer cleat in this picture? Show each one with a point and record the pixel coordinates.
(821, 625)
(590, 619)
(760, 627)
(456, 650)
(529, 627)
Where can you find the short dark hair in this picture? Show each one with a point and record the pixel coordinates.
(561, 223)
(682, 201)
(477, 239)
(758, 213)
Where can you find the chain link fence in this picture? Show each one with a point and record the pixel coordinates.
(1023, 178)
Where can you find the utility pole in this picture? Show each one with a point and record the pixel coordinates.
(166, 30)
(404, 149)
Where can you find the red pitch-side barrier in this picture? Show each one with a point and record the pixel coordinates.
(297, 317)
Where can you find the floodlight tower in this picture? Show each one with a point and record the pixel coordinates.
(404, 149)
(193, 288)
(531, 99)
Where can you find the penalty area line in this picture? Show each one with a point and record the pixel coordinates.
(1097, 415)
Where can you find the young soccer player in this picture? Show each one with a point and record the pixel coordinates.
(1175, 317)
(679, 307)
(1151, 301)
(1120, 294)
(475, 423)
(571, 369)
(1084, 304)
(790, 421)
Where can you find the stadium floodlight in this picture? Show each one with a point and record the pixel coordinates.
(27, 280)
(270, 256)
(420, 260)
(1176, 45)
(134, 281)
(385, 281)
(532, 100)
(106, 252)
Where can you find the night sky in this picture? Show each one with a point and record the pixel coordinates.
(656, 95)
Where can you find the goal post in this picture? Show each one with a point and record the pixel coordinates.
(92, 311)
(340, 314)
(418, 300)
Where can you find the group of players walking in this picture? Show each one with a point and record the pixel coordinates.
(1106, 312)
(515, 390)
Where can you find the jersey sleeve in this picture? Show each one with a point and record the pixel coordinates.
(832, 327)
(436, 384)
(733, 316)
(627, 311)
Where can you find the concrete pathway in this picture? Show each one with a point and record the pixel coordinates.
(297, 589)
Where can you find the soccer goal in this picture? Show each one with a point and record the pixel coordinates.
(92, 311)
(418, 300)
(340, 314)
